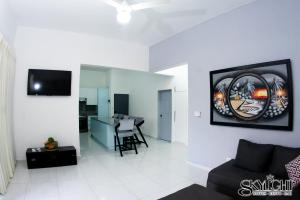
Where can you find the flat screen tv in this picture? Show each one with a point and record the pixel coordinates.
(49, 82)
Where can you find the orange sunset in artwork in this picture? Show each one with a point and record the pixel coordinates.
(260, 93)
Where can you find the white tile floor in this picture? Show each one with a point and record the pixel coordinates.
(100, 174)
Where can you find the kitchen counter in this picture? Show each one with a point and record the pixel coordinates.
(106, 120)
(114, 121)
(103, 128)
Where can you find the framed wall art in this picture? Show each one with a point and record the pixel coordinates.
(254, 96)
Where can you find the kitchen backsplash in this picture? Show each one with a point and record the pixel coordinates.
(92, 109)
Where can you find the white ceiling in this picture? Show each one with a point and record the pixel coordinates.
(94, 17)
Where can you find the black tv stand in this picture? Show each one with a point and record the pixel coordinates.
(62, 156)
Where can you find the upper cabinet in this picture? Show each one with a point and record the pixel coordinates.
(90, 94)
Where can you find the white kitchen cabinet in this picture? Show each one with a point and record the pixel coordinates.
(90, 94)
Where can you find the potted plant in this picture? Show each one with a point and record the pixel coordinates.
(51, 144)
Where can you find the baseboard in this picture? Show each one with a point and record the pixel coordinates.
(150, 136)
(201, 167)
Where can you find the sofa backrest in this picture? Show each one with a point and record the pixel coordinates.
(267, 158)
(253, 157)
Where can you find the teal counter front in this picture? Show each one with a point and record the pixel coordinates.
(102, 130)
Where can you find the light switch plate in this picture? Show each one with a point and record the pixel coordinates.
(197, 113)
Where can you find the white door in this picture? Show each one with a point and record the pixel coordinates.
(165, 115)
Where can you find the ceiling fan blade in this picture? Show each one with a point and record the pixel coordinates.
(146, 5)
(113, 3)
(184, 13)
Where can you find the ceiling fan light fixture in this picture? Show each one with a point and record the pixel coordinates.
(124, 9)
(124, 16)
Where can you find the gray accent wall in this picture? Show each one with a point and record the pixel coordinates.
(265, 30)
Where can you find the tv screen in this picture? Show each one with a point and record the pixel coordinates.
(49, 82)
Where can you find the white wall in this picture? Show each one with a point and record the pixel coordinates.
(36, 118)
(180, 102)
(93, 79)
(143, 94)
(262, 31)
(7, 22)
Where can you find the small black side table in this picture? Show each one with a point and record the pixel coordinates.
(63, 156)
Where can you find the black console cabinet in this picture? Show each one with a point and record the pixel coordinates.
(63, 156)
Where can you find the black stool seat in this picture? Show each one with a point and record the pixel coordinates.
(196, 192)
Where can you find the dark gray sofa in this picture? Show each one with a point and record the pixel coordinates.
(226, 178)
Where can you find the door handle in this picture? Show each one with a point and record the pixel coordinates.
(160, 115)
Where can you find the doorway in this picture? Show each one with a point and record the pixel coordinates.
(180, 102)
(165, 115)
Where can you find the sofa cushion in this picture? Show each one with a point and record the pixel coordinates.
(253, 157)
(282, 156)
(196, 192)
(227, 178)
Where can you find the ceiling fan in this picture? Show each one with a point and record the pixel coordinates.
(124, 9)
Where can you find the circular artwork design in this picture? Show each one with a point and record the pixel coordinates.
(249, 96)
(279, 96)
(220, 97)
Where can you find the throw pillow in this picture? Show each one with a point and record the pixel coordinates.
(293, 170)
